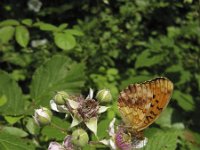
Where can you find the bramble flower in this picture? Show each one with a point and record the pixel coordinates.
(42, 116)
(122, 140)
(86, 110)
(81, 109)
(34, 5)
(37, 43)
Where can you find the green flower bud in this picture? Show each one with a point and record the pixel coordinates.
(80, 138)
(42, 116)
(104, 95)
(61, 97)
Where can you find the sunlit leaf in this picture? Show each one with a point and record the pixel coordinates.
(3, 100)
(74, 32)
(6, 34)
(22, 36)
(27, 22)
(15, 131)
(12, 119)
(166, 140)
(57, 74)
(9, 22)
(47, 27)
(65, 41)
(13, 94)
(10, 142)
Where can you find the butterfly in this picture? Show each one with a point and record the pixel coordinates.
(141, 104)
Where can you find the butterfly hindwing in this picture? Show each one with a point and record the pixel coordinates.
(141, 104)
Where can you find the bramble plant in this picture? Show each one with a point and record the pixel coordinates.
(51, 51)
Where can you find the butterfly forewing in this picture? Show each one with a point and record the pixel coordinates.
(140, 104)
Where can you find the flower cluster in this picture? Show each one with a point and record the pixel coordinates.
(82, 110)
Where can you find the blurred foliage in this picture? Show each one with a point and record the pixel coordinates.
(74, 45)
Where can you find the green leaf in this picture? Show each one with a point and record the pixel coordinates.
(65, 41)
(27, 22)
(103, 125)
(13, 94)
(3, 100)
(12, 119)
(10, 142)
(62, 26)
(57, 74)
(178, 68)
(53, 132)
(47, 27)
(6, 34)
(22, 36)
(185, 101)
(165, 118)
(74, 32)
(145, 59)
(162, 140)
(31, 126)
(15, 131)
(9, 22)
(197, 76)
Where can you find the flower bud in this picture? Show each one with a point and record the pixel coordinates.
(104, 95)
(67, 143)
(42, 116)
(55, 146)
(80, 138)
(61, 97)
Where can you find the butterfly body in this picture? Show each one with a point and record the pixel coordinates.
(141, 104)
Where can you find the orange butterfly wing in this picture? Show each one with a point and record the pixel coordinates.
(141, 104)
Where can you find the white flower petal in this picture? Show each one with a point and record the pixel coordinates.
(73, 103)
(91, 93)
(62, 109)
(36, 121)
(112, 144)
(140, 143)
(58, 108)
(53, 106)
(112, 127)
(75, 122)
(102, 109)
(92, 125)
(105, 142)
(66, 115)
